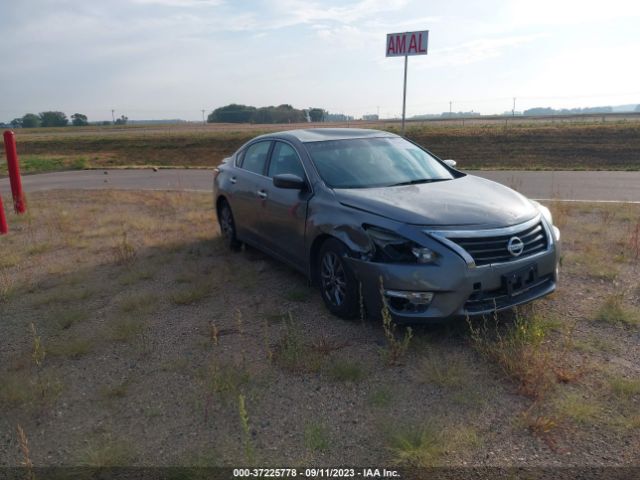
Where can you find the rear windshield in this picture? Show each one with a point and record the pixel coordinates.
(374, 162)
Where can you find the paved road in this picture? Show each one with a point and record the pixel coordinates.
(585, 186)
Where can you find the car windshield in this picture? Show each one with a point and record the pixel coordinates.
(374, 162)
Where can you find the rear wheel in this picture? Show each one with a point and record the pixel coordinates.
(338, 284)
(228, 226)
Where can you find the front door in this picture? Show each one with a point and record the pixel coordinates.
(283, 212)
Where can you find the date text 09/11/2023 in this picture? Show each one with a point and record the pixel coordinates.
(315, 473)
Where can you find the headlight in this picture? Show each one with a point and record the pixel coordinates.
(546, 213)
(391, 247)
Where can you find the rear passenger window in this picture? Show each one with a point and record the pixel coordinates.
(284, 159)
(255, 157)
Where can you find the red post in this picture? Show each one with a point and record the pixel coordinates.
(19, 203)
(4, 228)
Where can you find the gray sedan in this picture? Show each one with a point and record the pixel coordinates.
(374, 219)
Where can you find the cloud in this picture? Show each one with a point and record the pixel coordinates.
(296, 12)
(181, 3)
(477, 50)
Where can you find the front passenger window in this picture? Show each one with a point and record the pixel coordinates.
(284, 159)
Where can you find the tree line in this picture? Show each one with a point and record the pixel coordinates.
(237, 113)
(57, 119)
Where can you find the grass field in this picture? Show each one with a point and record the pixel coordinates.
(131, 336)
(524, 146)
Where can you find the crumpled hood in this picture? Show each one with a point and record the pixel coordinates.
(468, 201)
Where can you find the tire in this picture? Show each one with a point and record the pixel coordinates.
(228, 226)
(338, 284)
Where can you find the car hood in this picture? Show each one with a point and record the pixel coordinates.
(469, 201)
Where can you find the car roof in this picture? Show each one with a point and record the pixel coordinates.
(323, 134)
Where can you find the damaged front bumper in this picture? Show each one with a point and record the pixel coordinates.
(452, 288)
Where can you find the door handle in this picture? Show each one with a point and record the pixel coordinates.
(262, 194)
(233, 180)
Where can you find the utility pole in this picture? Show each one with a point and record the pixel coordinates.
(450, 107)
(513, 112)
(113, 116)
(203, 122)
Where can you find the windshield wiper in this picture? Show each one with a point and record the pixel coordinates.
(419, 180)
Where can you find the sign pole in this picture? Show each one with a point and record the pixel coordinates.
(404, 45)
(404, 93)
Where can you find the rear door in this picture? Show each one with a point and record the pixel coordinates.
(249, 171)
(283, 212)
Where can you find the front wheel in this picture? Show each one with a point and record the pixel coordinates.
(338, 284)
(228, 227)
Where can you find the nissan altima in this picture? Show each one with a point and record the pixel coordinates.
(373, 219)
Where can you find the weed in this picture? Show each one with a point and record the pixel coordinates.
(574, 406)
(441, 370)
(228, 379)
(138, 303)
(39, 352)
(518, 352)
(634, 240)
(246, 433)
(613, 311)
(124, 253)
(423, 446)
(292, 354)
(6, 287)
(316, 437)
(26, 457)
(8, 260)
(63, 295)
(214, 333)
(396, 349)
(18, 391)
(416, 447)
(624, 388)
(345, 371)
(542, 427)
(560, 211)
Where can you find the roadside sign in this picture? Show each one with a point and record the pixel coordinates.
(407, 43)
(404, 45)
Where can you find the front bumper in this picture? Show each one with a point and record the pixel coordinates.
(458, 289)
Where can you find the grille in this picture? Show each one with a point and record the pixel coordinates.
(486, 250)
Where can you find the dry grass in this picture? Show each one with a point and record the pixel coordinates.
(517, 349)
(424, 446)
(131, 354)
(614, 311)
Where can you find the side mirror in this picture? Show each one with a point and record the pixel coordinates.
(288, 181)
(450, 163)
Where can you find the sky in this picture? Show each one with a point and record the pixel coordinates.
(158, 59)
